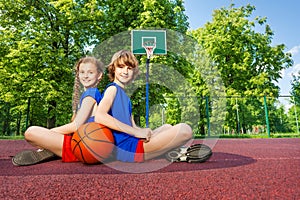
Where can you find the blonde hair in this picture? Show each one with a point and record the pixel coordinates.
(122, 57)
(77, 85)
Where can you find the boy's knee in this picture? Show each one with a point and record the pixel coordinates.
(186, 131)
(166, 126)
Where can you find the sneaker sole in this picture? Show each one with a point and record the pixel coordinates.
(31, 157)
(195, 153)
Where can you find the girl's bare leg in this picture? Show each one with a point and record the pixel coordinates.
(167, 138)
(44, 138)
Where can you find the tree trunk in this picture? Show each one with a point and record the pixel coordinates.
(51, 120)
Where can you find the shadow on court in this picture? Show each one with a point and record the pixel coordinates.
(238, 169)
(56, 167)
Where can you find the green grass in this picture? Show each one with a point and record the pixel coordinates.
(242, 136)
(237, 136)
(285, 135)
(4, 137)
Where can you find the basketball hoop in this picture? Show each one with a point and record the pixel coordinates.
(145, 42)
(149, 47)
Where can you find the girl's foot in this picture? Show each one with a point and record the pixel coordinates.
(31, 157)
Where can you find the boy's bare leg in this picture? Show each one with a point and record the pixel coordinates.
(166, 139)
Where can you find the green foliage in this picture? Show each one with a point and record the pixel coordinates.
(42, 40)
(296, 89)
(248, 64)
(241, 53)
(40, 46)
(293, 118)
(280, 123)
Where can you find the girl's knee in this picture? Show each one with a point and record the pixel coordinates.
(29, 133)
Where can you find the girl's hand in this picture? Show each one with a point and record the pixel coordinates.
(143, 133)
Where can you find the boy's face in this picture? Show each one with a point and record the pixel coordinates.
(123, 74)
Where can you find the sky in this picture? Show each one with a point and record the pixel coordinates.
(282, 15)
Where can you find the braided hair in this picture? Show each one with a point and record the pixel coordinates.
(78, 88)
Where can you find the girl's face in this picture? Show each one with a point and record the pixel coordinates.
(123, 74)
(88, 75)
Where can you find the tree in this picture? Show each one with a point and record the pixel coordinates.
(295, 91)
(294, 111)
(42, 39)
(40, 42)
(293, 118)
(243, 54)
(123, 16)
(279, 121)
(248, 64)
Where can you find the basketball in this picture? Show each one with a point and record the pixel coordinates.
(92, 143)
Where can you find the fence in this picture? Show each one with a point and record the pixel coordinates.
(261, 115)
(242, 115)
(14, 120)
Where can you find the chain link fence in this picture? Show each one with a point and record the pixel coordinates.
(255, 116)
(14, 120)
(243, 115)
(261, 115)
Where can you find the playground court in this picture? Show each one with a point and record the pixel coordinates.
(238, 169)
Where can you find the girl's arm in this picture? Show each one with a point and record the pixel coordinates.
(82, 115)
(106, 119)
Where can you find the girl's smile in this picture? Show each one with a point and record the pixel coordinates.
(88, 75)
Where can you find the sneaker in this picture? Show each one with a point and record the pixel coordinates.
(195, 153)
(31, 157)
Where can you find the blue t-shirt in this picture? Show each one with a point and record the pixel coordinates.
(95, 94)
(121, 109)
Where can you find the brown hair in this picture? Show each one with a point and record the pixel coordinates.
(77, 85)
(122, 57)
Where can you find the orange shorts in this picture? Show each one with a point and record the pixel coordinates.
(67, 155)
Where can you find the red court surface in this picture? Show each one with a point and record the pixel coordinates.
(239, 169)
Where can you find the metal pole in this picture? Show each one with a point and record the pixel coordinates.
(162, 116)
(237, 116)
(28, 112)
(207, 115)
(267, 116)
(295, 110)
(147, 92)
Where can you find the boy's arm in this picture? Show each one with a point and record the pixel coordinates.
(133, 122)
(106, 119)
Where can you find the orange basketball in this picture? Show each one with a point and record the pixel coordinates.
(92, 143)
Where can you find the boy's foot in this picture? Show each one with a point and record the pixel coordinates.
(31, 157)
(195, 153)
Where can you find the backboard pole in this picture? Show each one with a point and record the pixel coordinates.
(148, 42)
(147, 92)
(149, 51)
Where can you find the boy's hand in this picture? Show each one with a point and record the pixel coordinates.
(143, 133)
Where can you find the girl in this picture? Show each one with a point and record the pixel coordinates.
(57, 141)
(133, 144)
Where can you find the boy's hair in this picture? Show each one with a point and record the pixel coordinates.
(122, 57)
(77, 85)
